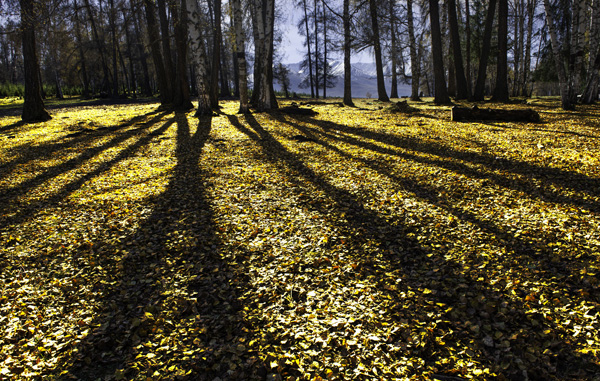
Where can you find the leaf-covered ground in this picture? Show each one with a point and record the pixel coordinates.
(355, 244)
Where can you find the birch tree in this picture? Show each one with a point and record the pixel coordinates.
(198, 54)
(240, 48)
(264, 18)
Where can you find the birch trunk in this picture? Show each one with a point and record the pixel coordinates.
(591, 89)
(198, 54)
(240, 46)
(265, 23)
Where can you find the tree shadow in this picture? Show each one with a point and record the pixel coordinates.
(170, 297)
(26, 153)
(447, 290)
(533, 177)
(533, 245)
(16, 212)
(528, 128)
(12, 126)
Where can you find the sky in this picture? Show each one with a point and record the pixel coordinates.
(292, 41)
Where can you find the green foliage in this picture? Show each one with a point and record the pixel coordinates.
(11, 90)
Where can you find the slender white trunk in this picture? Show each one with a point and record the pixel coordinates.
(198, 55)
(240, 46)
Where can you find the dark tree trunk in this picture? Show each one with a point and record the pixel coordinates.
(33, 108)
(415, 64)
(347, 65)
(157, 58)
(468, 47)
(325, 64)
(316, 60)
(441, 92)
(459, 72)
(133, 78)
(258, 56)
(216, 56)
(225, 89)
(394, 89)
(381, 93)
(478, 95)
(113, 33)
(181, 98)
(310, 65)
(146, 88)
(462, 114)
(501, 89)
(236, 78)
(84, 75)
(106, 83)
(167, 53)
(451, 73)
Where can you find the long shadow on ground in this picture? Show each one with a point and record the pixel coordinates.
(171, 302)
(459, 306)
(530, 173)
(20, 212)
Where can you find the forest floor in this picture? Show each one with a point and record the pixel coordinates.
(354, 244)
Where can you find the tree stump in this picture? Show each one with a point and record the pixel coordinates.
(460, 114)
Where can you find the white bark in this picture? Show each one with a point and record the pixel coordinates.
(198, 55)
(240, 46)
(264, 19)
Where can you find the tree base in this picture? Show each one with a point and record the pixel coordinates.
(33, 116)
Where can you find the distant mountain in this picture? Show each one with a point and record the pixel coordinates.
(364, 80)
